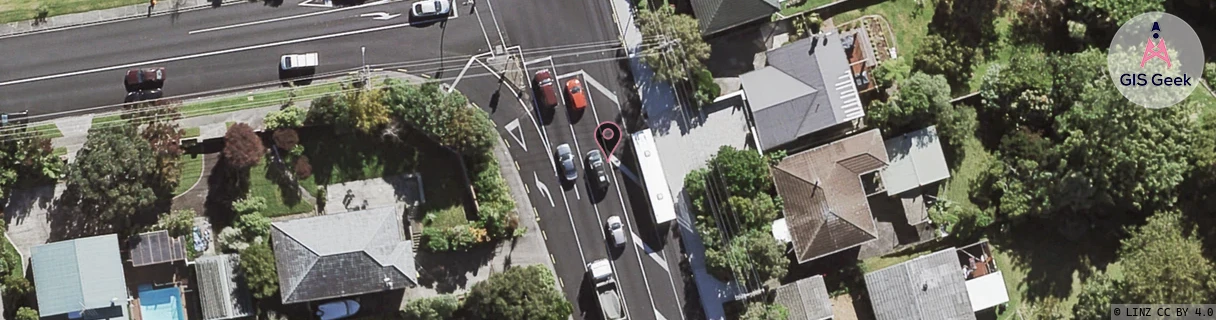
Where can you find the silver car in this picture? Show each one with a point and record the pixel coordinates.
(566, 159)
(617, 230)
(426, 8)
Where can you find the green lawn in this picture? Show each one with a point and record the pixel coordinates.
(47, 130)
(192, 170)
(255, 100)
(445, 218)
(282, 196)
(60, 151)
(19, 10)
(975, 159)
(188, 133)
(1004, 51)
(789, 11)
(909, 21)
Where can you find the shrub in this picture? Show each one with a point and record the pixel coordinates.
(242, 147)
(178, 222)
(706, 89)
(303, 169)
(290, 117)
(1077, 30)
(457, 238)
(25, 313)
(249, 205)
(890, 72)
(1209, 74)
(231, 240)
(434, 308)
(253, 226)
(16, 285)
(286, 139)
(258, 263)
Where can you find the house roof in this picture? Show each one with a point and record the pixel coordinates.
(223, 293)
(806, 299)
(78, 274)
(916, 160)
(155, 247)
(343, 254)
(719, 15)
(806, 87)
(927, 287)
(825, 206)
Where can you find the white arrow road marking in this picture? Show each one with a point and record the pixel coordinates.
(289, 17)
(544, 190)
(650, 252)
(596, 84)
(510, 127)
(380, 15)
(658, 315)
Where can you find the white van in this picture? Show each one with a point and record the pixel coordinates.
(296, 61)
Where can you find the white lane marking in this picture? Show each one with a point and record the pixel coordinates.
(466, 69)
(650, 252)
(573, 229)
(550, 59)
(483, 30)
(496, 27)
(570, 74)
(658, 316)
(251, 23)
(380, 15)
(204, 54)
(305, 3)
(544, 190)
(510, 127)
(596, 84)
(578, 155)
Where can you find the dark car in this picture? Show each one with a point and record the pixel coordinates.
(145, 78)
(566, 161)
(595, 162)
(546, 94)
(141, 95)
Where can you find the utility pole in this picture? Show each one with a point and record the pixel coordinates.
(363, 53)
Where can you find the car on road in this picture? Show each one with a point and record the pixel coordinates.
(145, 78)
(337, 309)
(546, 94)
(297, 61)
(595, 162)
(427, 8)
(617, 230)
(578, 98)
(566, 160)
(141, 95)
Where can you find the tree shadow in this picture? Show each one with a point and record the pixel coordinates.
(446, 272)
(226, 185)
(1052, 250)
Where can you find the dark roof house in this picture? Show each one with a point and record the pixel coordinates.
(223, 293)
(807, 87)
(805, 299)
(80, 278)
(825, 205)
(344, 254)
(719, 15)
(155, 247)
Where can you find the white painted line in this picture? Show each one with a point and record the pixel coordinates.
(570, 74)
(658, 316)
(463, 70)
(637, 240)
(596, 84)
(544, 190)
(380, 15)
(483, 31)
(306, 3)
(204, 54)
(495, 19)
(577, 156)
(573, 229)
(510, 127)
(550, 59)
(251, 23)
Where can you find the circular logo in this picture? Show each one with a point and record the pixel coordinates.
(1155, 60)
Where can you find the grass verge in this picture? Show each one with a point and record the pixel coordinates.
(909, 21)
(21, 10)
(255, 100)
(283, 197)
(188, 133)
(192, 170)
(47, 130)
(60, 151)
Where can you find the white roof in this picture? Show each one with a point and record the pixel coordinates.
(781, 231)
(987, 291)
(652, 172)
(916, 160)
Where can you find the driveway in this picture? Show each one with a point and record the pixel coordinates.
(26, 215)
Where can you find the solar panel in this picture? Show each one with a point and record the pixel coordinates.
(156, 247)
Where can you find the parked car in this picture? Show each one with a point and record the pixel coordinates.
(546, 94)
(578, 98)
(427, 8)
(616, 230)
(595, 162)
(141, 95)
(296, 61)
(146, 78)
(566, 160)
(337, 309)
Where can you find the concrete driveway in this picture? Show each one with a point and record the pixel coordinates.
(26, 215)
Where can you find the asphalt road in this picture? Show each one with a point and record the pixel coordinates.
(239, 46)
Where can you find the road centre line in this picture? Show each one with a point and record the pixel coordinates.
(251, 23)
(204, 54)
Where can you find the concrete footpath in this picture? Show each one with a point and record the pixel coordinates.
(81, 19)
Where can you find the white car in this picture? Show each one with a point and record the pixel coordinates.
(296, 61)
(337, 309)
(426, 8)
(617, 230)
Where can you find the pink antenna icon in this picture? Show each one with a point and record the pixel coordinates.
(1156, 51)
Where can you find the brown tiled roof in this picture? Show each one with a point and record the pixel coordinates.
(825, 205)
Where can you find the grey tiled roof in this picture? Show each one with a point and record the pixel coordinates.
(718, 15)
(825, 206)
(343, 254)
(806, 299)
(802, 91)
(222, 289)
(84, 273)
(929, 287)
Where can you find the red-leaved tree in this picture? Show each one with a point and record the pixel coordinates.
(302, 168)
(242, 147)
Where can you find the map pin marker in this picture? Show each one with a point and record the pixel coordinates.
(608, 136)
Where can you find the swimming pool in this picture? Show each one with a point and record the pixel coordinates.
(161, 304)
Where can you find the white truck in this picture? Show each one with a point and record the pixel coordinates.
(296, 61)
(608, 296)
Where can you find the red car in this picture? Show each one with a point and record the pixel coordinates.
(145, 79)
(546, 95)
(578, 98)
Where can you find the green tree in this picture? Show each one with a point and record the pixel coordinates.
(110, 178)
(755, 213)
(249, 205)
(765, 311)
(891, 72)
(16, 285)
(433, 308)
(178, 222)
(253, 226)
(705, 90)
(744, 172)
(242, 147)
(25, 313)
(946, 57)
(1209, 74)
(1116, 12)
(1097, 294)
(520, 293)
(446, 116)
(760, 252)
(258, 263)
(1163, 262)
(367, 109)
(288, 118)
(680, 48)
(164, 137)
(920, 100)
